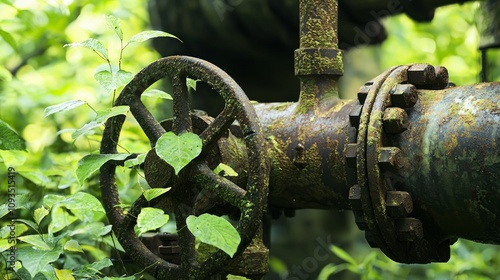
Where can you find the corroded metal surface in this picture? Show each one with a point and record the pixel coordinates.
(250, 200)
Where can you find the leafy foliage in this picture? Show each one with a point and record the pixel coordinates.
(178, 150)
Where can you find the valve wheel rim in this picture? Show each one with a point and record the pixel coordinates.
(251, 201)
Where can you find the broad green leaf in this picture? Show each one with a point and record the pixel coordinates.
(50, 200)
(92, 44)
(89, 164)
(72, 246)
(4, 210)
(94, 230)
(64, 274)
(216, 231)
(178, 150)
(5, 245)
(157, 94)
(28, 223)
(8, 39)
(339, 252)
(13, 158)
(135, 161)
(5, 231)
(154, 193)
(61, 218)
(24, 201)
(119, 278)
(37, 241)
(84, 206)
(114, 23)
(111, 81)
(146, 35)
(86, 129)
(65, 106)
(103, 115)
(225, 170)
(9, 139)
(35, 260)
(236, 277)
(190, 83)
(39, 214)
(98, 265)
(150, 219)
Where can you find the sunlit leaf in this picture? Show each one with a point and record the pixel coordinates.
(29, 223)
(92, 44)
(178, 150)
(65, 106)
(114, 23)
(111, 81)
(9, 139)
(61, 218)
(84, 206)
(225, 170)
(339, 252)
(36, 240)
(146, 35)
(103, 115)
(72, 246)
(13, 158)
(91, 163)
(64, 274)
(157, 94)
(9, 39)
(88, 128)
(135, 161)
(151, 219)
(216, 231)
(39, 214)
(154, 193)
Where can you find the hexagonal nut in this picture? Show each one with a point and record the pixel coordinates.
(355, 115)
(398, 203)
(391, 159)
(421, 74)
(404, 96)
(350, 154)
(355, 198)
(395, 120)
(363, 92)
(409, 229)
(442, 77)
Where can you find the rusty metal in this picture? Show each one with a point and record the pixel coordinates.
(251, 200)
(393, 156)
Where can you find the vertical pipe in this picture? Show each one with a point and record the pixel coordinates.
(318, 61)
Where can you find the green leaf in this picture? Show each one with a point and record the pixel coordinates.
(13, 158)
(157, 94)
(9, 39)
(28, 223)
(236, 277)
(72, 246)
(216, 231)
(4, 210)
(151, 219)
(134, 162)
(88, 128)
(154, 193)
(178, 150)
(92, 44)
(35, 260)
(65, 106)
(190, 83)
(61, 218)
(94, 230)
(39, 214)
(84, 206)
(225, 170)
(339, 252)
(111, 81)
(114, 23)
(64, 274)
(9, 139)
(91, 163)
(103, 115)
(37, 241)
(146, 35)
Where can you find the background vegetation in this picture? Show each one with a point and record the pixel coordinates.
(67, 234)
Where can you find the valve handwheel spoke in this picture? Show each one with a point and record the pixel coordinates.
(196, 176)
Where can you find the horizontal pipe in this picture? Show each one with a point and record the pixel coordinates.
(451, 147)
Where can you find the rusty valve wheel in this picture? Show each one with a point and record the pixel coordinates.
(196, 176)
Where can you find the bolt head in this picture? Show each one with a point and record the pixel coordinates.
(355, 115)
(395, 120)
(409, 229)
(399, 204)
(404, 96)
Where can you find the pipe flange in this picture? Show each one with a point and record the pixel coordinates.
(380, 209)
